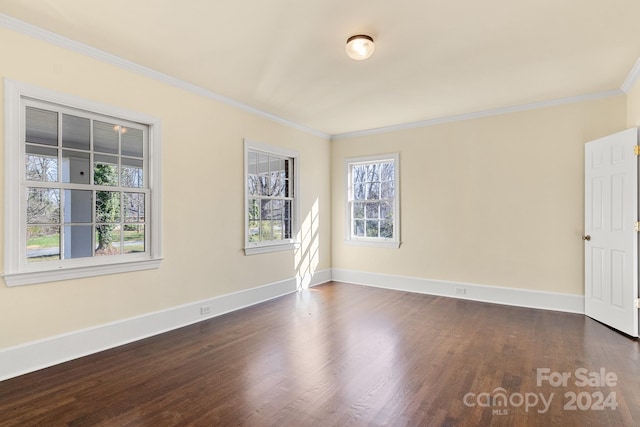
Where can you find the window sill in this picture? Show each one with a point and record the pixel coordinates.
(254, 250)
(33, 277)
(391, 244)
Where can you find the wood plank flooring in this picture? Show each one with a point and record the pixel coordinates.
(347, 355)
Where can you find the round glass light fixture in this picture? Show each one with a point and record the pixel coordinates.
(360, 47)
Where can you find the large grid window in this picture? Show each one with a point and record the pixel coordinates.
(270, 198)
(372, 200)
(83, 193)
(85, 184)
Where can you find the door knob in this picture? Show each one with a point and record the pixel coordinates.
(587, 237)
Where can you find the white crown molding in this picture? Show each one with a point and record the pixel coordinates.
(32, 356)
(58, 40)
(518, 297)
(632, 77)
(480, 114)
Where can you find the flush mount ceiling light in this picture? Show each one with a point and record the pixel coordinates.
(360, 47)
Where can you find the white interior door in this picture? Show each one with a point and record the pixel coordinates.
(611, 243)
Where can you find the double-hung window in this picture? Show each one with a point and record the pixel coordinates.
(372, 206)
(80, 190)
(271, 202)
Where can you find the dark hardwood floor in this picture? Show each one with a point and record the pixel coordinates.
(340, 355)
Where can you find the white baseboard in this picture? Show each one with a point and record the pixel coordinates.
(29, 357)
(569, 303)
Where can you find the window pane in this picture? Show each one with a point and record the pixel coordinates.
(263, 185)
(358, 192)
(43, 206)
(254, 231)
(77, 241)
(277, 184)
(43, 243)
(41, 163)
(386, 210)
(387, 190)
(277, 209)
(358, 228)
(77, 206)
(254, 209)
(386, 229)
(253, 185)
(265, 230)
(265, 224)
(286, 190)
(286, 185)
(372, 229)
(277, 229)
(105, 172)
(105, 137)
(373, 191)
(133, 239)
(277, 164)
(107, 240)
(132, 173)
(262, 164)
(252, 163)
(263, 175)
(76, 132)
(276, 177)
(265, 209)
(358, 210)
(41, 126)
(287, 209)
(133, 207)
(132, 142)
(372, 210)
(75, 167)
(286, 233)
(387, 172)
(107, 206)
(373, 174)
(358, 173)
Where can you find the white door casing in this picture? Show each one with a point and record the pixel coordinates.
(611, 243)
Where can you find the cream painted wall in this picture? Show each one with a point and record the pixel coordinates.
(492, 201)
(202, 236)
(495, 201)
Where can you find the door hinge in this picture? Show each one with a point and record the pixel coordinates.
(636, 303)
(636, 150)
(636, 226)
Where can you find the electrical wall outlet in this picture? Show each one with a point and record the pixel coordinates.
(461, 291)
(205, 309)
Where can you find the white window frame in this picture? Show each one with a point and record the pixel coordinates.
(17, 271)
(252, 248)
(350, 237)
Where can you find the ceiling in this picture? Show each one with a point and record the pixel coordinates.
(434, 58)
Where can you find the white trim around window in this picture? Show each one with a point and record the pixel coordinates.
(17, 268)
(372, 202)
(271, 201)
